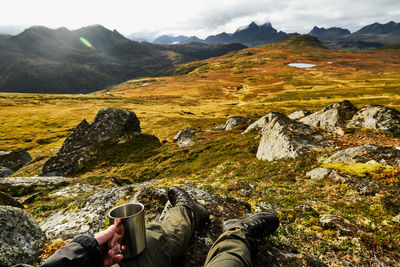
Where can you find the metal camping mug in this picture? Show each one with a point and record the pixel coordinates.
(132, 219)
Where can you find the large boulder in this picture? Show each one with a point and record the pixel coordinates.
(77, 148)
(67, 163)
(332, 116)
(184, 137)
(108, 123)
(6, 200)
(15, 159)
(4, 171)
(260, 123)
(286, 138)
(367, 153)
(299, 114)
(84, 216)
(378, 118)
(30, 182)
(21, 239)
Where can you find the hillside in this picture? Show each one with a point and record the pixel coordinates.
(347, 215)
(92, 58)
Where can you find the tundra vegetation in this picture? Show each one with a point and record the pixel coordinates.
(250, 83)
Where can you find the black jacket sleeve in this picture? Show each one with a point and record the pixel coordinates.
(83, 251)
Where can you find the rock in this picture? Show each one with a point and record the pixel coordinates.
(268, 207)
(6, 200)
(344, 226)
(378, 118)
(4, 171)
(75, 190)
(286, 138)
(21, 239)
(108, 123)
(236, 121)
(33, 182)
(318, 173)
(337, 177)
(367, 188)
(260, 123)
(366, 153)
(85, 216)
(299, 114)
(332, 116)
(14, 160)
(396, 219)
(184, 137)
(77, 148)
(67, 163)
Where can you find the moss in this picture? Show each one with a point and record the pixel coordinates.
(358, 169)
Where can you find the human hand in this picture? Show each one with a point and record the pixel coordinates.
(109, 241)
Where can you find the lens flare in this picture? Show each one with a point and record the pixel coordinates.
(86, 42)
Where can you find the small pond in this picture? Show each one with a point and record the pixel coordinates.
(301, 65)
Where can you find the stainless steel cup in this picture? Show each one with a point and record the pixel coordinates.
(132, 218)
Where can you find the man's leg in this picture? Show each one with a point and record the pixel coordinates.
(233, 248)
(230, 250)
(166, 240)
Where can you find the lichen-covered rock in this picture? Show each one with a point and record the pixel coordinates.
(318, 173)
(378, 118)
(260, 123)
(108, 123)
(286, 138)
(29, 182)
(366, 153)
(83, 216)
(21, 239)
(67, 163)
(236, 121)
(184, 137)
(74, 190)
(77, 148)
(6, 200)
(299, 114)
(332, 116)
(4, 171)
(15, 159)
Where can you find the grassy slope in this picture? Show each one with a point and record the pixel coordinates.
(225, 162)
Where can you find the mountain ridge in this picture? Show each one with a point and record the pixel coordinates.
(88, 59)
(370, 36)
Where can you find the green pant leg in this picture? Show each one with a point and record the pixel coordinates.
(232, 249)
(165, 240)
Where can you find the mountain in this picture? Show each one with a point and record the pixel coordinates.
(44, 60)
(330, 33)
(167, 39)
(5, 36)
(377, 28)
(250, 35)
(369, 37)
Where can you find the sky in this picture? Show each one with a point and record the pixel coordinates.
(151, 18)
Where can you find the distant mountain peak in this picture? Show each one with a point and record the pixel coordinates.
(333, 32)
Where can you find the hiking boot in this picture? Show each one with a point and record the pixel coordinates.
(179, 197)
(258, 225)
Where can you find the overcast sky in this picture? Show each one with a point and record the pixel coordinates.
(199, 17)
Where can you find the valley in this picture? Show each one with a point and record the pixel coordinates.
(348, 216)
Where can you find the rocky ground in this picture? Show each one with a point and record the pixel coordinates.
(331, 176)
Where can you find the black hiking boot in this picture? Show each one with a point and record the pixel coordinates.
(179, 197)
(258, 225)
